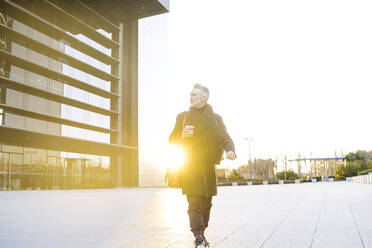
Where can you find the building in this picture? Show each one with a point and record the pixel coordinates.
(259, 168)
(69, 89)
(318, 167)
(222, 175)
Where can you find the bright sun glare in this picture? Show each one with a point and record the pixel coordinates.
(175, 156)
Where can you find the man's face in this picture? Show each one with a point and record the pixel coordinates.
(197, 100)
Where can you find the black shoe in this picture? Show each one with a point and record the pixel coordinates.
(199, 241)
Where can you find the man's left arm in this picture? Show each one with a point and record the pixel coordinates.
(227, 142)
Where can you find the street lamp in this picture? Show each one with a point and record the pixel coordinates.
(285, 168)
(250, 159)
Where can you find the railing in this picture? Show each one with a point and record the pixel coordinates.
(366, 179)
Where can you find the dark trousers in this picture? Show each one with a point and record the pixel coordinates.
(199, 211)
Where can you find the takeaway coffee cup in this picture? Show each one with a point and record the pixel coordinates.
(188, 131)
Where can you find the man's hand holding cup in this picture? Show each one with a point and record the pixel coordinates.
(231, 155)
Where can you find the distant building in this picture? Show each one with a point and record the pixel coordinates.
(245, 171)
(259, 168)
(222, 173)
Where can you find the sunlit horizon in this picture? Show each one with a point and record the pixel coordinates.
(293, 76)
(174, 157)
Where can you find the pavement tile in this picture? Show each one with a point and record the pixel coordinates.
(298, 215)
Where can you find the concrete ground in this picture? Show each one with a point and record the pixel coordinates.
(306, 215)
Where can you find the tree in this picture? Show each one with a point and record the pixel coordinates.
(359, 155)
(359, 165)
(291, 175)
(350, 170)
(369, 164)
(234, 174)
(340, 172)
(357, 162)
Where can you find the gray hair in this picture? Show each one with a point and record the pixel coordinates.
(204, 90)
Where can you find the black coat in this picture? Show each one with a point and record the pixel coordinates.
(202, 151)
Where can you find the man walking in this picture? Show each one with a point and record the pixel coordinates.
(203, 136)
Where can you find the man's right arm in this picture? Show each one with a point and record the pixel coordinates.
(176, 135)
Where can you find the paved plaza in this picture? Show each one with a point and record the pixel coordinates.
(294, 215)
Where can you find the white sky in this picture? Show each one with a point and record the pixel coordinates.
(293, 75)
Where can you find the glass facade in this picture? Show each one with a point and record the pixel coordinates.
(27, 168)
(30, 170)
(69, 89)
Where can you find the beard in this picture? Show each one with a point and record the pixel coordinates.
(197, 103)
